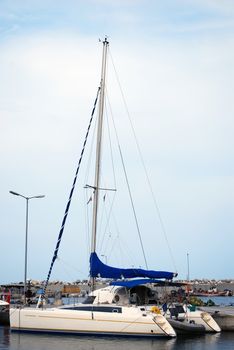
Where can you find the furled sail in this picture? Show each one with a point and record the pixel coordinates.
(99, 269)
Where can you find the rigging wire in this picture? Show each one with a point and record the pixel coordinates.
(70, 196)
(133, 207)
(108, 214)
(111, 148)
(129, 189)
(109, 244)
(106, 196)
(144, 167)
(67, 267)
(87, 220)
(124, 250)
(87, 196)
(115, 239)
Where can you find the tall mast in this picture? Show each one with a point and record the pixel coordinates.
(99, 145)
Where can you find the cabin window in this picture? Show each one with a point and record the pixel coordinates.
(95, 308)
(179, 309)
(89, 300)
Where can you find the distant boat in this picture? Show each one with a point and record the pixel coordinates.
(211, 294)
(97, 315)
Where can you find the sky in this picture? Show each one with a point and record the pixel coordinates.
(175, 64)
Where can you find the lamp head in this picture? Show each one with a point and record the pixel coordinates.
(15, 193)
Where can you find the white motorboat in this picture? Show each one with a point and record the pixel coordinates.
(185, 319)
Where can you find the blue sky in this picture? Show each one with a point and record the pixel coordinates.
(175, 63)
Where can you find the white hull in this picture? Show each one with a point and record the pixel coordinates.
(224, 316)
(130, 322)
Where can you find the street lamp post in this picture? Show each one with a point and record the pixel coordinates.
(188, 275)
(26, 238)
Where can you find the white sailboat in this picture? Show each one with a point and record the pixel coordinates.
(98, 315)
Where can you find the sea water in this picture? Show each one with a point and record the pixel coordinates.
(24, 341)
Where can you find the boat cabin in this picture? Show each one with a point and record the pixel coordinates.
(137, 295)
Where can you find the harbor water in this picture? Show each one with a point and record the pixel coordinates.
(27, 341)
(23, 341)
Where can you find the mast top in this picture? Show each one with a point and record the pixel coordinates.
(105, 41)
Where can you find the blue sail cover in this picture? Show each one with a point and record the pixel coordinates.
(135, 282)
(98, 269)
